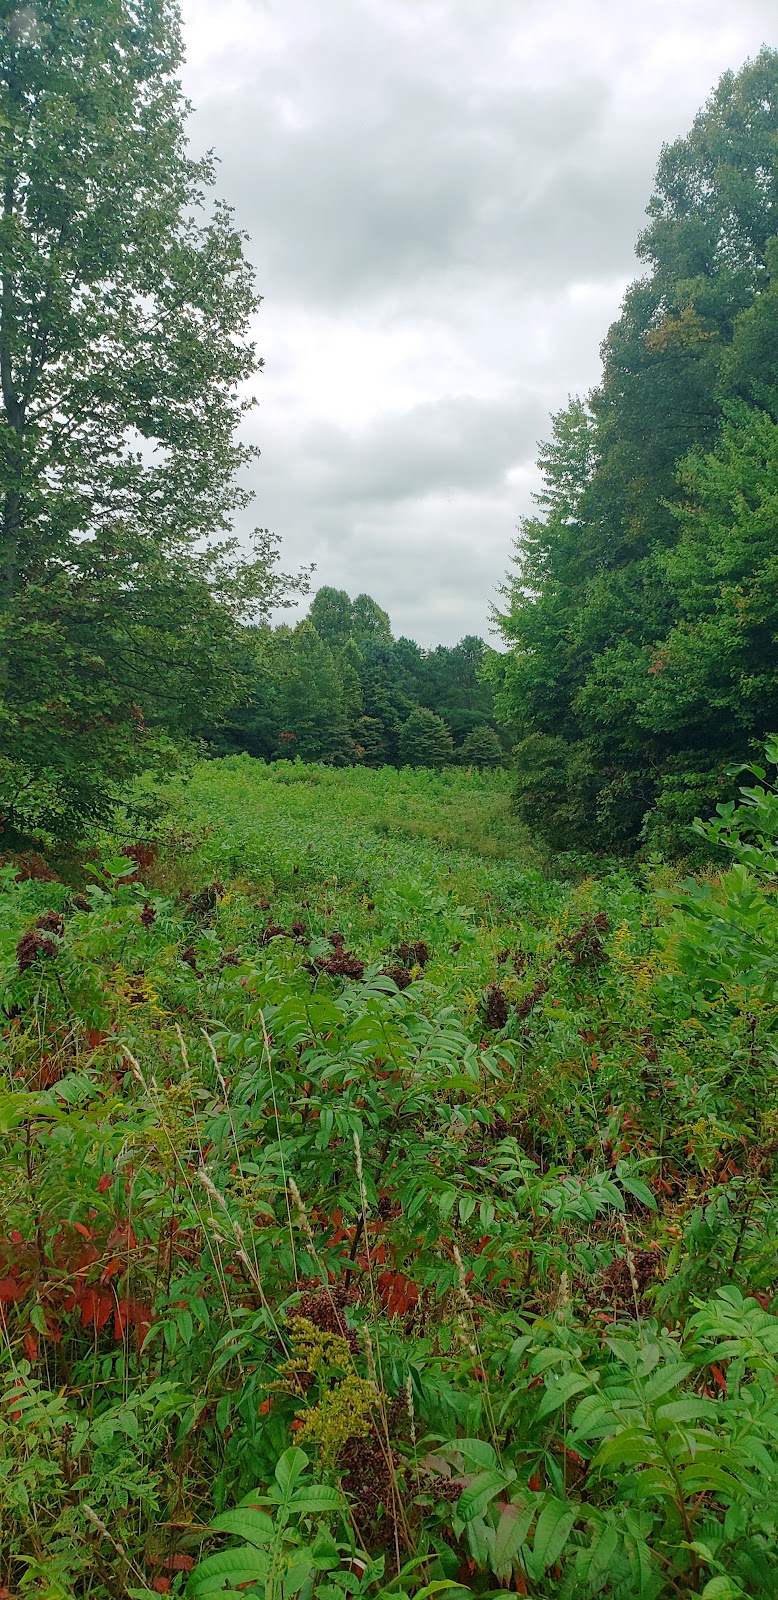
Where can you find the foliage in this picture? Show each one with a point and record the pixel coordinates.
(124, 351)
(424, 740)
(328, 1118)
(339, 688)
(481, 748)
(641, 617)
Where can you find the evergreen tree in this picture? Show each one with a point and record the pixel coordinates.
(481, 748)
(598, 604)
(312, 723)
(424, 740)
(370, 749)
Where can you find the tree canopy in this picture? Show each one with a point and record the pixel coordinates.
(340, 688)
(641, 617)
(125, 303)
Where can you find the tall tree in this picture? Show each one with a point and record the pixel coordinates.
(309, 698)
(125, 305)
(597, 592)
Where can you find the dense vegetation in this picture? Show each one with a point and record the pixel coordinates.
(386, 1205)
(642, 618)
(363, 1176)
(340, 688)
(125, 303)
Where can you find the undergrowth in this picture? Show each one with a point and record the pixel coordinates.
(381, 1215)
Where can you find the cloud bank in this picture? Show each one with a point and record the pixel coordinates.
(442, 201)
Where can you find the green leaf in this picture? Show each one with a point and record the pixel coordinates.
(722, 1588)
(247, 1523)
(562, 1389)
(475, 1498)
(631, 1447)
(693, 1408)
(240, 1566)
(667, 1378)
(603, 1553)
(289, 1468)
(555, 1524)
(319, 1497)
(512, 1530)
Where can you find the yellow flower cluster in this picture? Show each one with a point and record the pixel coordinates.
(345, 1400)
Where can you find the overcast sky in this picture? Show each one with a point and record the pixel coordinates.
(442, 198)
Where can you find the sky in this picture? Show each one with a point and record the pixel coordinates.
(442, 199)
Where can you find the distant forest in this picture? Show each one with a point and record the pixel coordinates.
(340, 688)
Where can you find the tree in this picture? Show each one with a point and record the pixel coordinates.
(424, 740)
(598, 607)
(369, 742)
(124, 350)
(331, 614)
(481, 748)
(309, 698)
(369, 621)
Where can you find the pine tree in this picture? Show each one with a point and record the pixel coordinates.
(597, 595)
(424, 740)
(481, 748)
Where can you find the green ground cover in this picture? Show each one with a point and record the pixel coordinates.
(385, 1209)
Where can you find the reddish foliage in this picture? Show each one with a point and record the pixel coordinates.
(32, 867)
(399, 1294)
(31, 947)
(11, 1290)
(143, 853)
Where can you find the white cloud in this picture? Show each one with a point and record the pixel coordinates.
(443, 201)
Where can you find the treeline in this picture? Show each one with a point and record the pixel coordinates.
(340, 688)
(642, 617)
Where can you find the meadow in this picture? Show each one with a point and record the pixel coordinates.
(386, 1207)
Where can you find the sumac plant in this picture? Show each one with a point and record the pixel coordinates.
(321, 1272)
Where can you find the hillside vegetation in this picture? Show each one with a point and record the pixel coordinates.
(380, 1214)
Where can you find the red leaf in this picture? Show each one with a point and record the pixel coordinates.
(104, 1183)
(30, 1345)
(96, 1308)
(79, 1227)
(16, 1236)
(10, 1290)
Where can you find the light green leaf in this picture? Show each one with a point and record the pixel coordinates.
(319, 1497)
(722, 1588)
(247, 1523)
(475, 1498)
(511, 1533)
(562, 1389)
(289, 1468)
(555, 1524)
(240, 1566)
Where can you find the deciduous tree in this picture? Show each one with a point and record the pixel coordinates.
(125, 308)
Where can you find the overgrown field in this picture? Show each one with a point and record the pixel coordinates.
(381, 1213)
